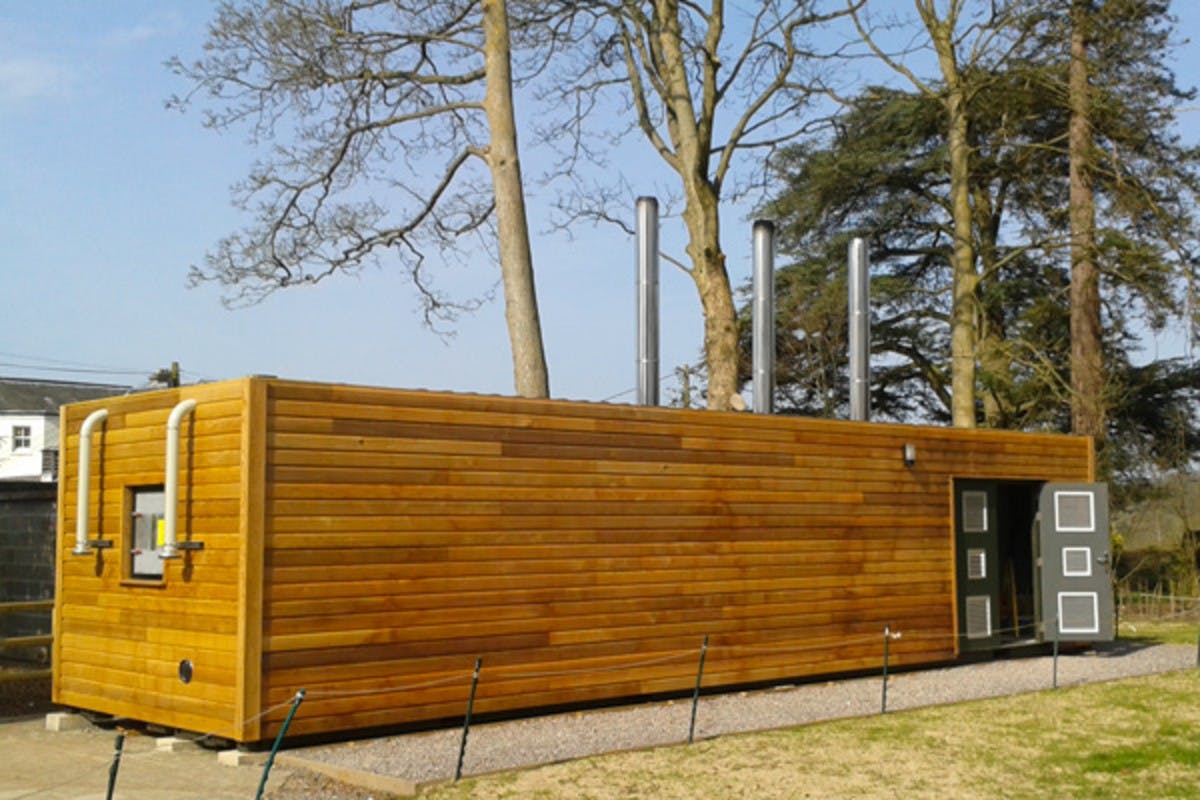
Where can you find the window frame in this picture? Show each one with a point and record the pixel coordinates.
(129, 573)
(22, 438)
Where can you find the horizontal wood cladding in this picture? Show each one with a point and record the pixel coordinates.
(585, 550)
(119, 641)
(369, 544)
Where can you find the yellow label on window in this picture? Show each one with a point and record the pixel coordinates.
(161, 531)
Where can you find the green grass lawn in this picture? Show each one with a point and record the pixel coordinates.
(1160, 631)
(1132, 739)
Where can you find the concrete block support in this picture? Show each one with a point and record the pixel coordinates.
(60, 721)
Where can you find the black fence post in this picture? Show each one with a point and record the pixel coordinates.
(1054, 683)
(696, 692)
(296, 701)
(887, 638)
(116, 765)
(462, 746)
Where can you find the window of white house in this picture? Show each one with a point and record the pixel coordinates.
(22, 438)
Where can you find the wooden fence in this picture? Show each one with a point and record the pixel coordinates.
(1158, 605)
(22, 642)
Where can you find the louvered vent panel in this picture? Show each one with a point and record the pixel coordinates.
(976, 563)
(1073, 511)
(979, 616)
(1077, 562)
(974, 511)
(1078, 612)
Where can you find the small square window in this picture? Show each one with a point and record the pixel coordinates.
(22, 438)
(146, 529)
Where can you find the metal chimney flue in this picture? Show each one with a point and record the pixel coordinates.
(647, 301)
(859, 290)
(763, 346)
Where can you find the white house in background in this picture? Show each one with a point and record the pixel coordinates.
(29, 423)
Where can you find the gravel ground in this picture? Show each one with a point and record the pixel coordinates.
(431, 756)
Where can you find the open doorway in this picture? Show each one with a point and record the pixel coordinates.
(995, 543)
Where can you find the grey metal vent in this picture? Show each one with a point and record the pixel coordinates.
(979, 616)
(50, 461)
(976, 563)
(1078, 612)
(1073, 512)
(1077, 562)
(974, 512)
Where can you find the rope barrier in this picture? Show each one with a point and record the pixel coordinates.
(512, 673)
(678, 655)
(324, 695)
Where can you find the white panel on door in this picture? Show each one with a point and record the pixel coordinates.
(979, 616)
(1074, 512)
(975, 512)
(1078, 612)
(976, 563)
(1077, 562)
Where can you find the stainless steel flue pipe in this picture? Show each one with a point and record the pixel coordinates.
(763, 345)
(647, 301)
(859, 286)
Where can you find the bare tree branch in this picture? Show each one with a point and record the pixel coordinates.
(378, 117)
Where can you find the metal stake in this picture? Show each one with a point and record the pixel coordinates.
(887, 639)
(296, 701)
(696, 692)
(462, 746)
(1054, 685)
(116, 765)
(1198, 649)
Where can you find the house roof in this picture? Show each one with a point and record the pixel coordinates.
(33, 396)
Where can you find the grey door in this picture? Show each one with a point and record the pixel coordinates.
(978, 557)
(1076, 581)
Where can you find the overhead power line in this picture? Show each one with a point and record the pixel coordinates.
(44, 362)
(81, 370)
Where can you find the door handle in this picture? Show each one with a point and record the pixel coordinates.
(1102, 558)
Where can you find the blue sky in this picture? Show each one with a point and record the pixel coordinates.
(106, 198)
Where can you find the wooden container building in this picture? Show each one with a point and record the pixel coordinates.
(369, 544)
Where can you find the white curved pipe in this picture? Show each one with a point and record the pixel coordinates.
(82, 548)
(171, 480)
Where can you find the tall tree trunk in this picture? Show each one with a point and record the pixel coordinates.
(963, 327)
(691, 133)
(530, 377)
(994, 370)
(1088, 407)
(701, 217)
(964, 277)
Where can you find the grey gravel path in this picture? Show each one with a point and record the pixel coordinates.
(431, 756)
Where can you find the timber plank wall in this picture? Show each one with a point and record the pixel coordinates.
(118, 641)
(359, 540)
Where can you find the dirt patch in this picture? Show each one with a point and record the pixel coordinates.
(303, 784)
(21, 695)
